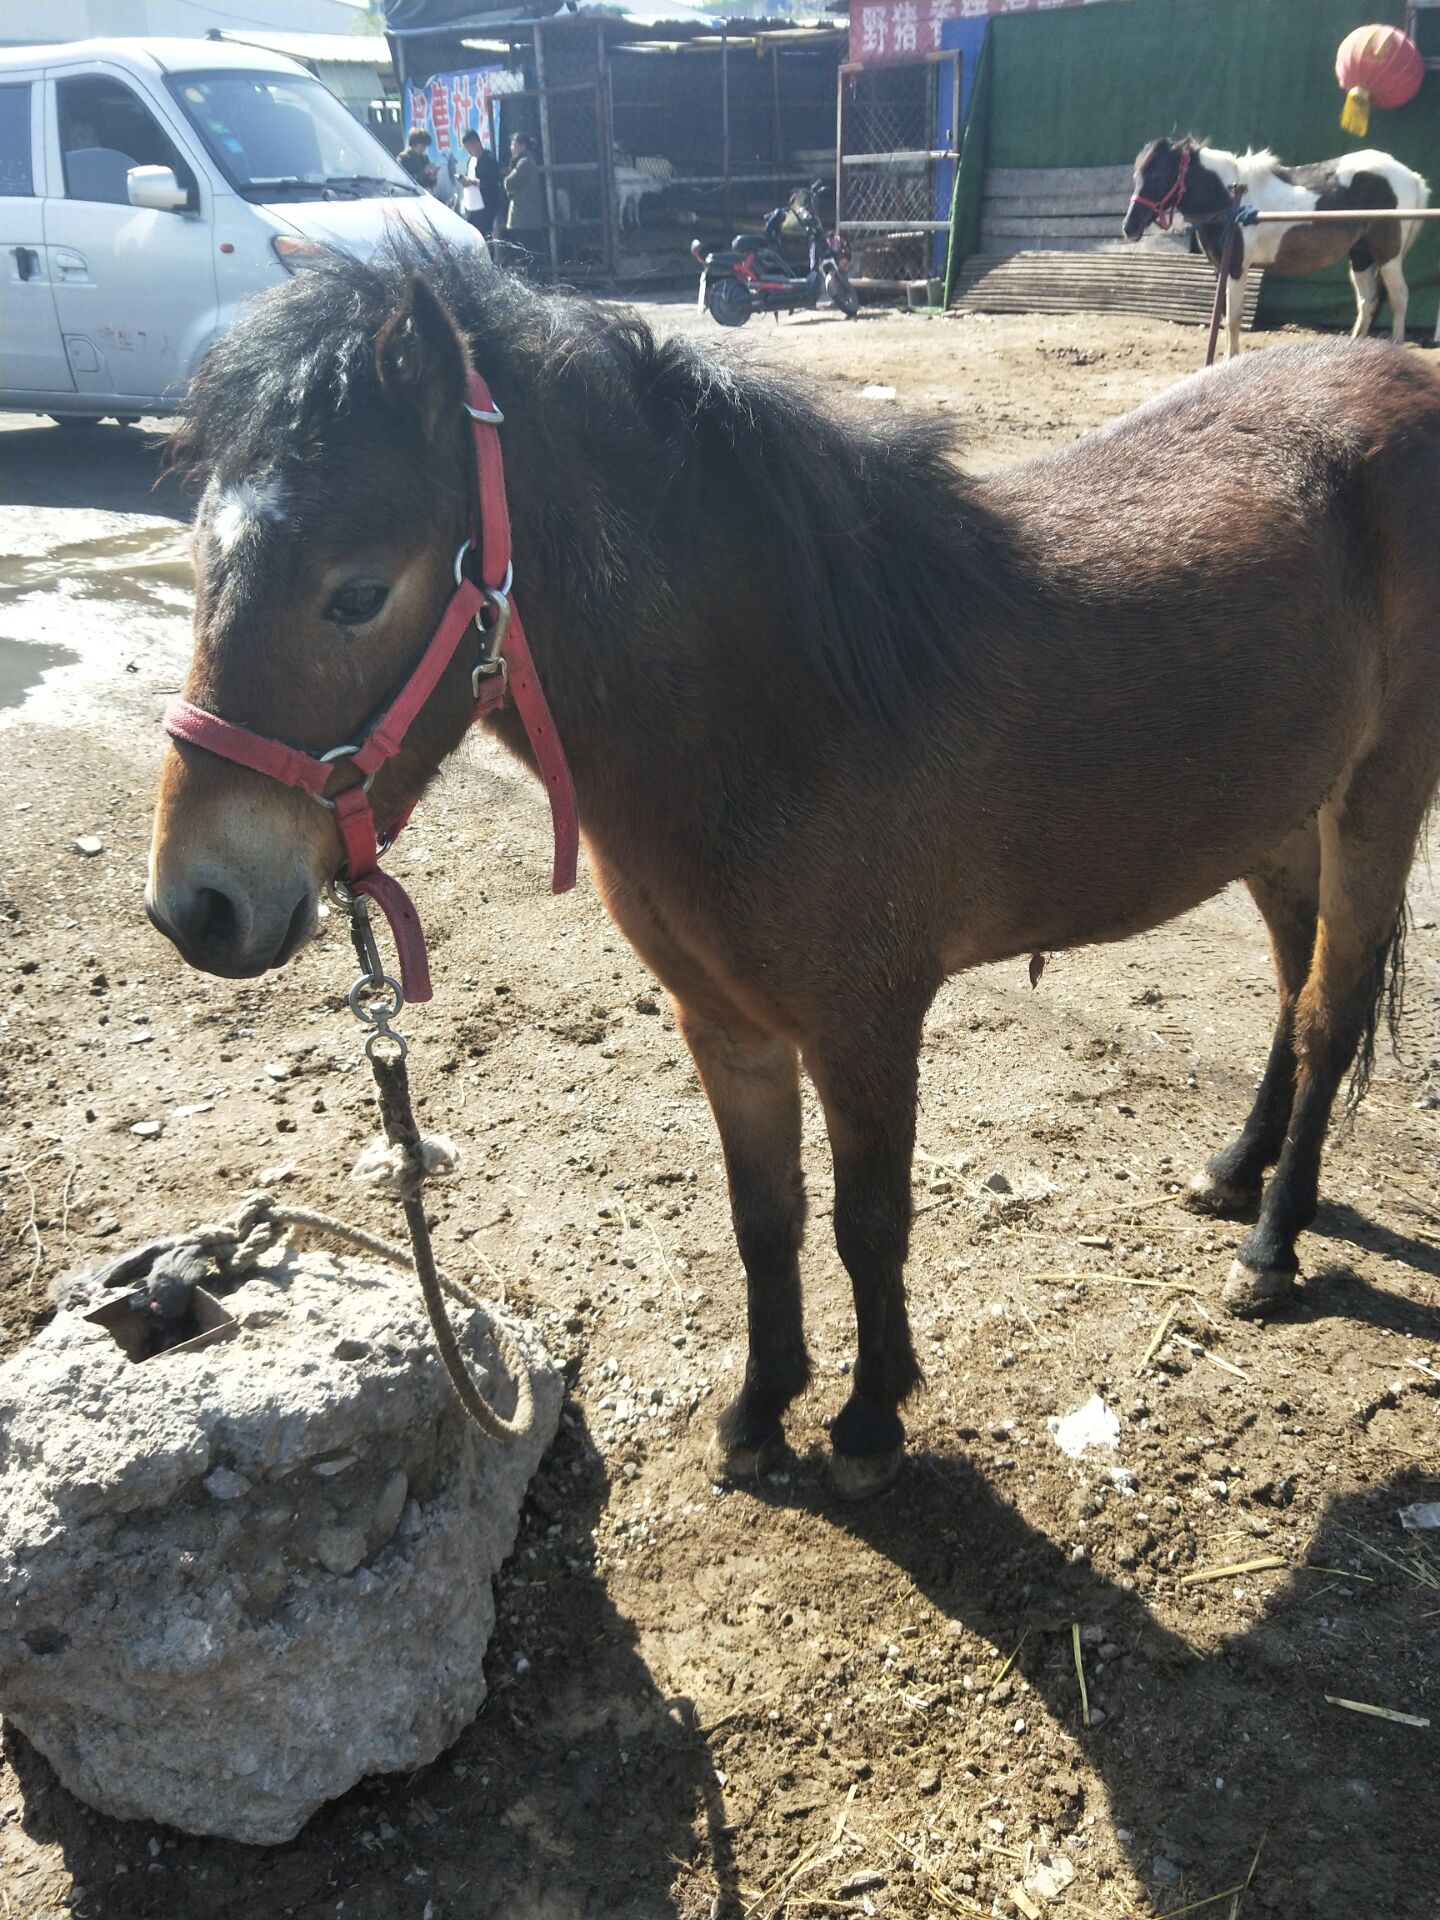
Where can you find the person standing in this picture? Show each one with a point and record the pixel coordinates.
(525, 218)
(416, 159)
(480, 184)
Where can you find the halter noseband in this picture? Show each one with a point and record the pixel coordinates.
(505, 668)
(1168, 205)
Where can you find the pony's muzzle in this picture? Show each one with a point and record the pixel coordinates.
(236, 866)
(217, 929)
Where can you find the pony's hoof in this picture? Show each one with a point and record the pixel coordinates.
(1212, 1193)
(855, 1476)
(1250, 1293)
(742, 1466)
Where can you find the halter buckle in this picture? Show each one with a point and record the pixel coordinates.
(491, 417)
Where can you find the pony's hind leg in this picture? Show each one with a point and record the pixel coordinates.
(1367, 841)
(753, 1082)
(1286, 889)
(1392, 273)
(867, 1083)
(1365, 281)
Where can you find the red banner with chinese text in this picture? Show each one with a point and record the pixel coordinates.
(907, 29)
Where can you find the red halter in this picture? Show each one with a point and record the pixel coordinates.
(1168, 205)
(505, 667)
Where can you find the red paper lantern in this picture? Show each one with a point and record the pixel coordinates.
(1378, 67)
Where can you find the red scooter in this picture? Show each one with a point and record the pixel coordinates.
(751, 275)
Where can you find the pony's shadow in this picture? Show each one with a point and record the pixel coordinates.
(580, 1790)
(1208, 1751)
(108, 469)
(1334, 1290)
(1336, 1221)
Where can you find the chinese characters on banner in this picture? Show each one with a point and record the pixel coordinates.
(905, 29)
(448, 103)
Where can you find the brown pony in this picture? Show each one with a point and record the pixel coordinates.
(841, 720)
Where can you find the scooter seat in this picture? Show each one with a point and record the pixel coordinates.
(750, 242)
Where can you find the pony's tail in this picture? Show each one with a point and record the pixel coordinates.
(1384, 998)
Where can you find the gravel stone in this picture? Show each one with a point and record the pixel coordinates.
(195, 1626)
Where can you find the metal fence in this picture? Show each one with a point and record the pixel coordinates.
(570, 104)
(889, 120)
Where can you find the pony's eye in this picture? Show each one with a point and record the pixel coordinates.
(354, 605)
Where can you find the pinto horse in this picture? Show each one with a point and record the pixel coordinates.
(841, 720)
(1200, 184)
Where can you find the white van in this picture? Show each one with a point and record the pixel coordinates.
(147, 188)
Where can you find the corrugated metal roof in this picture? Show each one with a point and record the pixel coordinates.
(406, 18)
(335, 49)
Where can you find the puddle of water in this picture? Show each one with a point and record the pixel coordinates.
(22, 666)
(148, 565)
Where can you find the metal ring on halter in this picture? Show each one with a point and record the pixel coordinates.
(494, 418)
(385, 1033)
(376, 1016)
(342, 753)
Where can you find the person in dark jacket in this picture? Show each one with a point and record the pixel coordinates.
(525, 218)
(416, 159)
(482, 195)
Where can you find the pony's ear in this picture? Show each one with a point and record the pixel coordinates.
(421, 359)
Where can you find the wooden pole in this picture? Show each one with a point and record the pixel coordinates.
(775, 90)
(545, 141)
(1222, 282)
(605, 141)
(725, 118)
(1361, 217)
(840, 144)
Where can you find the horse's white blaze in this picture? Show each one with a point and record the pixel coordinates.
(246, 507)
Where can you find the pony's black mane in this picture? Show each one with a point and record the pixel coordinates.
(860, 529)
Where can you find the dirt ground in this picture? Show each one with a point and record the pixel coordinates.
(761, 1704)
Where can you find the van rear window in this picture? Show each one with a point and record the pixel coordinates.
(15, 175)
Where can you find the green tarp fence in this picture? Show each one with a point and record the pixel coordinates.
(1088, 86)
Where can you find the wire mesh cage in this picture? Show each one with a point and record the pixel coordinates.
(570, 105)
(890, 138)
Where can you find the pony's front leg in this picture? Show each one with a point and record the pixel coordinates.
(867, 1085)
(753, 1082)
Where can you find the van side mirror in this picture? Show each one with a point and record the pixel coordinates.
(156, 188)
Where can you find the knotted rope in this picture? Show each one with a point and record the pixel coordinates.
(165, 1272)
(263, 1222)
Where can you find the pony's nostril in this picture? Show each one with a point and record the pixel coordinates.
(210, 919)
(220, 932)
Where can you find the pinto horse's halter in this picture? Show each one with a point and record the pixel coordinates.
(1168, 205)
(505, 667)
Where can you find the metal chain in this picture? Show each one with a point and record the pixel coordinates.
(376, 999)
